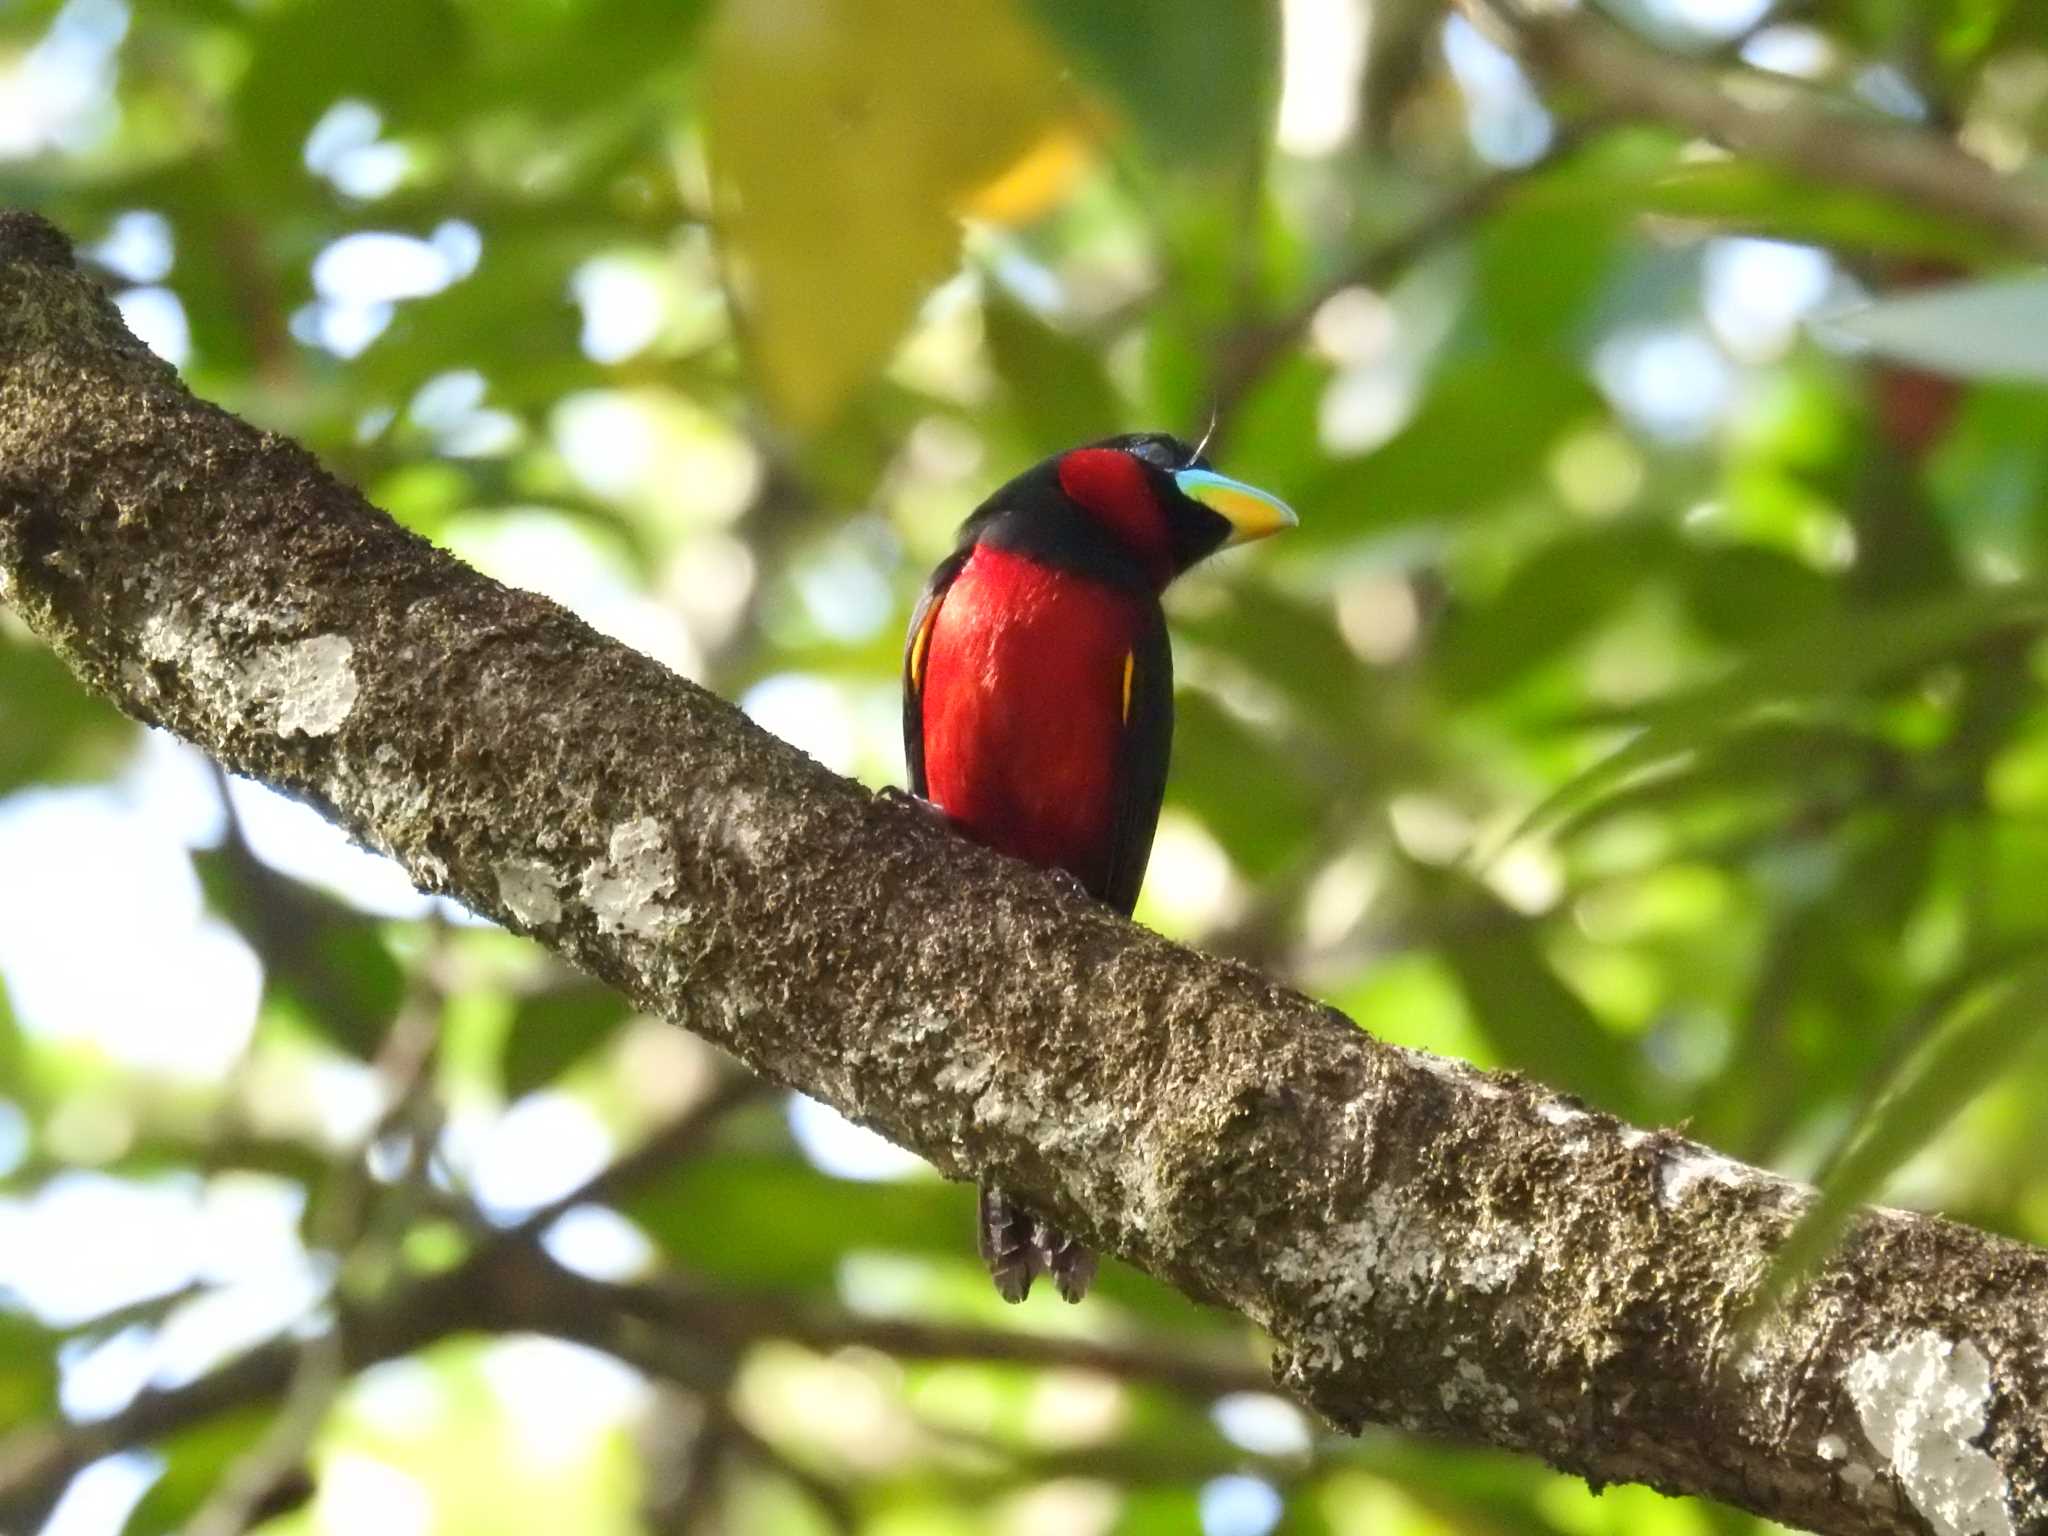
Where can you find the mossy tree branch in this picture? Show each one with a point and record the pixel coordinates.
(1459, 1253)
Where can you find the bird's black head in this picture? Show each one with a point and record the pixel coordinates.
(1143, 502)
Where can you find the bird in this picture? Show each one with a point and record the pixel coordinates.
(1038, 697)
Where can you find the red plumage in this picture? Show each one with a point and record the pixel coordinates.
(1038, 697)
(1024, 711)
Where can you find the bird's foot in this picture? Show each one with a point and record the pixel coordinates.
(1003, 1233)
(1018, 1247)
(1071, 1265)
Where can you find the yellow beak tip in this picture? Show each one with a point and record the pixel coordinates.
(1251, 513)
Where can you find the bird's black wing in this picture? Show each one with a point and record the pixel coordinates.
(915, 645)
(1141, 760)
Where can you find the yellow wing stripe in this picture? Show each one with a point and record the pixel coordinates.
(1130, 670)
(924, 639)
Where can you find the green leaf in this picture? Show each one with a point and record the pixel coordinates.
(1839, 655)
(552, 1031)
(1758, 200)
(545, 58)
(12, 1047)
(1291, 645)
(50, 727)
(194, 1463)
(1158, 1511)
(763, 1221)
(28, 1372)
(328, 963)
(1274, 430)
(1740, 593)
(1552, 601)
(1199, 89)
(1057, 384)
(1541, 268)
(309, 54)
(1533, 1021)
(1978, 1042)
(350, 986)
(1479, 438)
(1752, 766)
(1250, 793)
(513, 316)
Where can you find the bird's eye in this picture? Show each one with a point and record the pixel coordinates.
(1160, 452)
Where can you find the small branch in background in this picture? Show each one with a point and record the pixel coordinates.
(684, 1452)
(1542, 1276)
(1581, 49)
(271, 1477)
(750, 1319)
(830, 1500)
(1244, 358)
(286, 923)
(279, 363)
(659, 1153)
(354, 1226)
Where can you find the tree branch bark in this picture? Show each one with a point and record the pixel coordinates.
(1920, 169)
(1458, 1253)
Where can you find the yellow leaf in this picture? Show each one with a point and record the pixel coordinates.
(1035, 183)
(846, 138)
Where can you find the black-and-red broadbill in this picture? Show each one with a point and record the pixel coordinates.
(1038, 696)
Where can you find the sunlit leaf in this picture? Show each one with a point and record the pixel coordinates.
(846, 139)
(1997, 329)
(764, 1221)
(1755, 199)
(1526, 1012)
(1971, 1048)
(1840, 654)
(195, 1461)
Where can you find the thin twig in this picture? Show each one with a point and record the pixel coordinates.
(658, 1154)
(1244, 358)
(745, 1320)
(248, 1491)
(1923, 170)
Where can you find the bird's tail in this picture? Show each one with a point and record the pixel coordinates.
(1018, 1247)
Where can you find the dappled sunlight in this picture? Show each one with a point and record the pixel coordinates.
(1650, 701)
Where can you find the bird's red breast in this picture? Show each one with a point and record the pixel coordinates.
(1025, 671)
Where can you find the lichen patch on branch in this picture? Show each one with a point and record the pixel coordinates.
(528, 888)
(625, 888)
(1431, 1245)
(1923, 1404)
(308, 685)
(291, 688)
(1684, 1168)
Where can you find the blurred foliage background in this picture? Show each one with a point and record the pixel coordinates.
(1650, 701)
